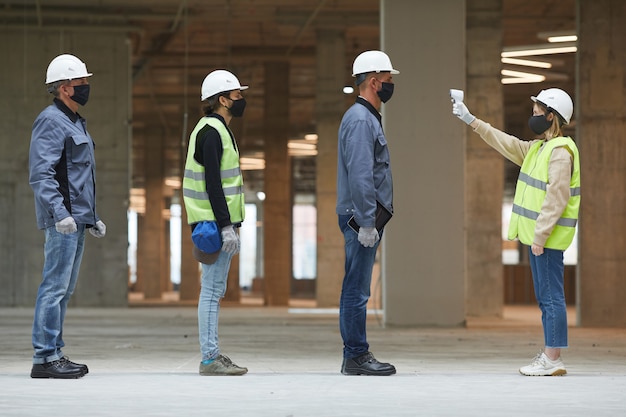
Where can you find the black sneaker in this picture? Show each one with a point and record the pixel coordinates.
(77, 365)
(59, 369)
(366, 364)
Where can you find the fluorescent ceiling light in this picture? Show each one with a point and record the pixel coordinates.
(302, 152)
(526, 63)
(532, 50)
(348, 89)
(515, 80)
(519, 77)
(173, 182)
(564, 38)
(558, 36)
(299, 147)
(250, 164)
(299, 144)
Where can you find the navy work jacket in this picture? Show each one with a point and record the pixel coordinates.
(62, 167)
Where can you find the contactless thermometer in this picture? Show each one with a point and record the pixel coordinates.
(456, 95)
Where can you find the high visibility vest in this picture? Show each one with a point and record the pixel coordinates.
(530, 192)
(195, 195)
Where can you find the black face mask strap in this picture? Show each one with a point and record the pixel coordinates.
(226, 96)
(557, 115)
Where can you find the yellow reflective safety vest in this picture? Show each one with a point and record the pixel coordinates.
(530, 192)
(195, 195)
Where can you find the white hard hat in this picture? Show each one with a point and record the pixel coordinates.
(66, 67)
(220, 81)
(556, 100)
(372, 61)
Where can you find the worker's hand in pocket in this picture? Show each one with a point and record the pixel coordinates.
(98, 230)
(536, 250)
(66, 226)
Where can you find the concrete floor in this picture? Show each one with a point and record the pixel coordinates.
(144, 362)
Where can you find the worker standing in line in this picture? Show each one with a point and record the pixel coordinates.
(213, 196)
(545, 210)
(62, 174)
(363, 183)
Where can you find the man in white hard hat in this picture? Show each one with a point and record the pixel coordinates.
(364, 204)
(62, 170)
(545, 209)
(214, 201)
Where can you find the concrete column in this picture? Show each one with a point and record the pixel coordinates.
(423, 254)
(484, 169)
(278, 202)
(103, 279)
(233, 289)
(600, 106)
(151, 241)
(189, 268)
(329, 101)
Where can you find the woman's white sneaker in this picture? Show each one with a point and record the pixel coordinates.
(541, 365)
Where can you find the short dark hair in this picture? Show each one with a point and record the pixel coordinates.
(360, 78)
(53, 88)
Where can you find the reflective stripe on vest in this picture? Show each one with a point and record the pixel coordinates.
(196, 199)
(530, 193)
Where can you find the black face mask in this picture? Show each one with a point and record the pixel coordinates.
(237, 108)
(81, 94)
(385, 92)
(539, 124)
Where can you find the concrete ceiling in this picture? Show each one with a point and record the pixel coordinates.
(175, 43)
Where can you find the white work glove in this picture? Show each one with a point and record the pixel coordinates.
(459, 109)
(230, 240)
(66, 226)
(368, 236)
(99, 230)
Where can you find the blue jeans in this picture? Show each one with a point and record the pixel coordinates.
(213, 288)
(63, 254)
(547, 272)
(355, 291)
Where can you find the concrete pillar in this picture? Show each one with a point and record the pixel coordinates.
(278, 202)
(599, 114)
(329, 102)
(233, 288)
(7, 210)
(423, 254)
(103, 279)
(484, 169)
(151, 241)
(189, 268)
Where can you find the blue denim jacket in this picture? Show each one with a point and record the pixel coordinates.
(62, 167)
(363, 165)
